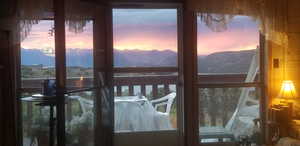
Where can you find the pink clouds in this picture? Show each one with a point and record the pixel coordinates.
(39, 38)
(151, 30)
(146, 41)
(230, 40)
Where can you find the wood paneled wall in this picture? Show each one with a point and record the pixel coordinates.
(289, 58)
(293, 53)
(8, 103)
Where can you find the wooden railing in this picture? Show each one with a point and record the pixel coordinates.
(154, 81)
(138, 78)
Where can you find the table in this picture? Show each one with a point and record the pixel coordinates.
(50, 101)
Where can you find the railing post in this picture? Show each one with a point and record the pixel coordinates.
(130, 88)
(143, 89)
(29, 111)
(155, 91)
(69, 110)
(119, 90)
(166, 89)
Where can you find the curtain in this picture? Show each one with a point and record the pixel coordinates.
(272, 14)
(30, 12)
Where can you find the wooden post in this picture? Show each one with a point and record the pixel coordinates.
(143, 89)
(69, 110)
(166, 89)
(103, 57)
(119, 90)
(155, 91)
(130, 88)
(263, 100)
(191, 118)
(60, 64)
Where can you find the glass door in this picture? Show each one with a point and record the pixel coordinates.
(37, 65)
(80, 104)
(85, 80)
(147, 101)
(230, 83)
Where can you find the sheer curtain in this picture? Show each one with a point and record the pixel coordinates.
(22, 14)
(271, 14)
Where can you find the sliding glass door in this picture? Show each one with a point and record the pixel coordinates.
(146, 74)
(230, 82)
(82, 89)
(37, 65)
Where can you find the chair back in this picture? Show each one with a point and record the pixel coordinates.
(167, 101)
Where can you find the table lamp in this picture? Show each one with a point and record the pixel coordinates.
(287, 96)
(287, 91)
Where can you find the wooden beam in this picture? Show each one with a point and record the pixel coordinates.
(103, 63)
(135, 3)
(229, 85)
(263, 80)
(155, 91)
(144, 69)
(131, 90)
(191, 117)
(60, 64)
(143, 89)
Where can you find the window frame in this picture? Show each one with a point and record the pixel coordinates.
(171, 135)
(260, 85)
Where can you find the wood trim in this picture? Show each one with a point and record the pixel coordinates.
(263, 100)
(60, 65)
(180, 78)
(190, 77)
(103, 63)
(144, 69)
(220, 144)
(8, 103)
(145, 4)
(229, 85)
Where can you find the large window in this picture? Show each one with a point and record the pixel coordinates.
(229, 81)
(38, 65)
(145, 69)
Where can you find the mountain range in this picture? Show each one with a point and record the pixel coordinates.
(221, 62)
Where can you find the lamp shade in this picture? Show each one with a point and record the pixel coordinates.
(287, 90)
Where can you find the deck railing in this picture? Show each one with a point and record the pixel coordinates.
(156, 82)
(34, 85)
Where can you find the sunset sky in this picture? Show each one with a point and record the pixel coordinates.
(152, 29)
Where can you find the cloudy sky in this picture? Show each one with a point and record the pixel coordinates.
(152, 29)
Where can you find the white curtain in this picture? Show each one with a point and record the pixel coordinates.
(216, 14)
(29, 12)
(271, 14)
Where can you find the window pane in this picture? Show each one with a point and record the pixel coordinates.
(80, 106)
(145, 38)
(227, 114)
(231, 54)
(37, 65)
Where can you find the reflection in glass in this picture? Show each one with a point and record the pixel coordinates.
(142, 104)
(37, 64)
(227, 114)
(145, 38)
(230, 51)
(79, 71)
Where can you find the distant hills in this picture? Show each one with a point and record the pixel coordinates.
(226, 62)
(222, 62)
(140, 58)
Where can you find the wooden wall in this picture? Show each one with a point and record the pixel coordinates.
(293, 54)
(289, 58)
